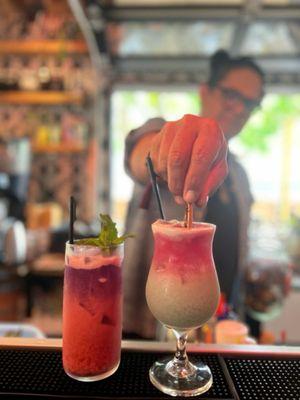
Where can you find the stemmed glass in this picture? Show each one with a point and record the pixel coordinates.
(182, 292)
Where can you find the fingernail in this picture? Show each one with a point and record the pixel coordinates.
(179, 200)
(203, 201)
(190, 196)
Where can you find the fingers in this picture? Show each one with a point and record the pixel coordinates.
(216, 175)
(180, 153)
(205, 154)
(215, 178)
(154, 151)
(167, 136)
(190, 155)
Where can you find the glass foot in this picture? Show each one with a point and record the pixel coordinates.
(194, 379)
(93, 378)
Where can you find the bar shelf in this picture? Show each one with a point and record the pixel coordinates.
(43, 47)
(41, 97)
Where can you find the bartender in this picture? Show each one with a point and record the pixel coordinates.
(235, 87)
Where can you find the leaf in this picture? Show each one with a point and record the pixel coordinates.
(121, 239)
(108, 231)
(89, 241)
(108, 237)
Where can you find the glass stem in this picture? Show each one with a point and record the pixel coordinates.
(179, 366)
(180, 354)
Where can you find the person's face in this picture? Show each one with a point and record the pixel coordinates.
(232, 100)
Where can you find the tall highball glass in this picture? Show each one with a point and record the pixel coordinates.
(92, 311)
(182, 292)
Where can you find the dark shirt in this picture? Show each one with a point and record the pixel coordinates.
(223, 212)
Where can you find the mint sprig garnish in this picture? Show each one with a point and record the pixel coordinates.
(108, 237)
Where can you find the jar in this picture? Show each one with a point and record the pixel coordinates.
(267, 277)
(267, 283)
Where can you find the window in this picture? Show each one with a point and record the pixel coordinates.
(269, 152)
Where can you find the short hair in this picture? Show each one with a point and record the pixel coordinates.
(221, 63)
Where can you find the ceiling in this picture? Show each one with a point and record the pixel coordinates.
(162, 42)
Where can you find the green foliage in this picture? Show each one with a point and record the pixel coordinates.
(108, 237)
(154, 100)
(264, 123)
(295, 222)
(269, 120)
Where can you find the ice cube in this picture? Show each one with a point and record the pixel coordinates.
(89, 307)
(106, 320)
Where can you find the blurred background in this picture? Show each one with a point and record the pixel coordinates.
(77, 76)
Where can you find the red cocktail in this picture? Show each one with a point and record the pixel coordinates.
(92, 311)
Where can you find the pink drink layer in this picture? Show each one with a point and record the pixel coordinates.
(92, 312)
(182, 288)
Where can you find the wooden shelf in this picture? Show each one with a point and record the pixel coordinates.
(57, 148)
(42, 46)
(41, 97)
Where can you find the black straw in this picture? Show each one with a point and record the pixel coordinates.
(154, 185)
(72, 219)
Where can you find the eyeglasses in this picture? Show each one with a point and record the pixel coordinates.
(234, 96)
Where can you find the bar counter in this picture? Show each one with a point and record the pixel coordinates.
(33, 367)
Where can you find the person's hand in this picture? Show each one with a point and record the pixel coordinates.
(190, 155)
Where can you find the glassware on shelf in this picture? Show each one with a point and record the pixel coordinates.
(182, 292)
(47, 73)
(28, 79)
(44, 76)
(267, 283)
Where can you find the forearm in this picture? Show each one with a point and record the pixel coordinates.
(137, 159)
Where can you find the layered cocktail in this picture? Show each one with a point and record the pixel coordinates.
(92, 311)
(182, 292)
(182, 288)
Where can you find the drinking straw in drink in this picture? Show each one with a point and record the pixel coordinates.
(154, 185)
(188, 218)
(72, 219)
